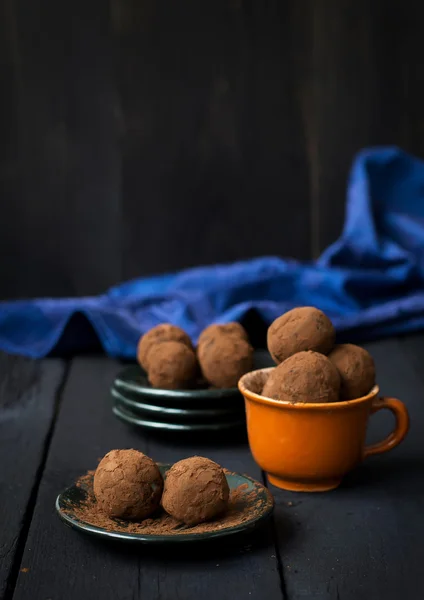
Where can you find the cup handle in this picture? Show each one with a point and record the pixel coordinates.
(400, 412)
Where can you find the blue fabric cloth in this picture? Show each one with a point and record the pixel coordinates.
(370, 282)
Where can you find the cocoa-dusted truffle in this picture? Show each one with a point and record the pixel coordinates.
(172, 366)
(304, 328)
(304, 377)
(128, 484)
(161, 333)
(356, 368)
(213, 331)
(224, 359)
(196, 490)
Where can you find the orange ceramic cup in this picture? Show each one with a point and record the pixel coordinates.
(310, 447)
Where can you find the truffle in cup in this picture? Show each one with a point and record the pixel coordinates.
(308, 377)
(300, 329)
(356, 368)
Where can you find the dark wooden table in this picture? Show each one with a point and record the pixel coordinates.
(363, 541)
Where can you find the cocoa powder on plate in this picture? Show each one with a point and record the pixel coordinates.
(242, 507)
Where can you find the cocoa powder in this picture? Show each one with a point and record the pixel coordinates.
(304, 377)
(224, 359)
(172, 366)
(165, 332)
(128, 484)
(300, 329)
(356, 368)
(242, 506)
(196, 490)
(232, 329)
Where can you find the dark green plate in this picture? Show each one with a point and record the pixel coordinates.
(132, 418)
(133, 379)
(174, 414)
(261, 508)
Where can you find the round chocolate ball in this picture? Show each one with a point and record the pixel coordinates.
(300, 329)
(214, 331)
(128, 485)
(304, 377)
(356, 368)
(172, 366)
(196, 490)
(224, 359)
(161, 333)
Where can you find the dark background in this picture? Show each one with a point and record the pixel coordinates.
(138, 136)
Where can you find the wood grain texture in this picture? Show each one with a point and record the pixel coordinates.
(346, 67)
(140, 137)
(63, 218)
(280, 208)
(211, 142)
(28, 395)
(93, 232)
(42, 38)
(63, 563)
(363, 540)
(9, 163)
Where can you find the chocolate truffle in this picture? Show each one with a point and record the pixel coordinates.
(304, 328)
(224, 359)
(161, 333)
(304, 377)
(172, 366)
(356, 368)
(196, 490)
(214, 331)
(128, 484)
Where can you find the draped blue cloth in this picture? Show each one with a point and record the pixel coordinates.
(370, 282)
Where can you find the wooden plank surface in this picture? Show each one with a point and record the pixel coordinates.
(356, 68)
(59, 149)
(93, 210)
(136, 129)
(338, 86)
(42, 37)
(277, 160)
(365, 539)
(9, 164)
(211, 137)
(362, 540)
(61, 563)
(29, 392)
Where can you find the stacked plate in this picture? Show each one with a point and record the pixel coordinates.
(137, 403)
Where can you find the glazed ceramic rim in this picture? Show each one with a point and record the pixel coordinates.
(124, 380)
(318, 406)
(126, 415)
(166, 411)
(156, 393)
